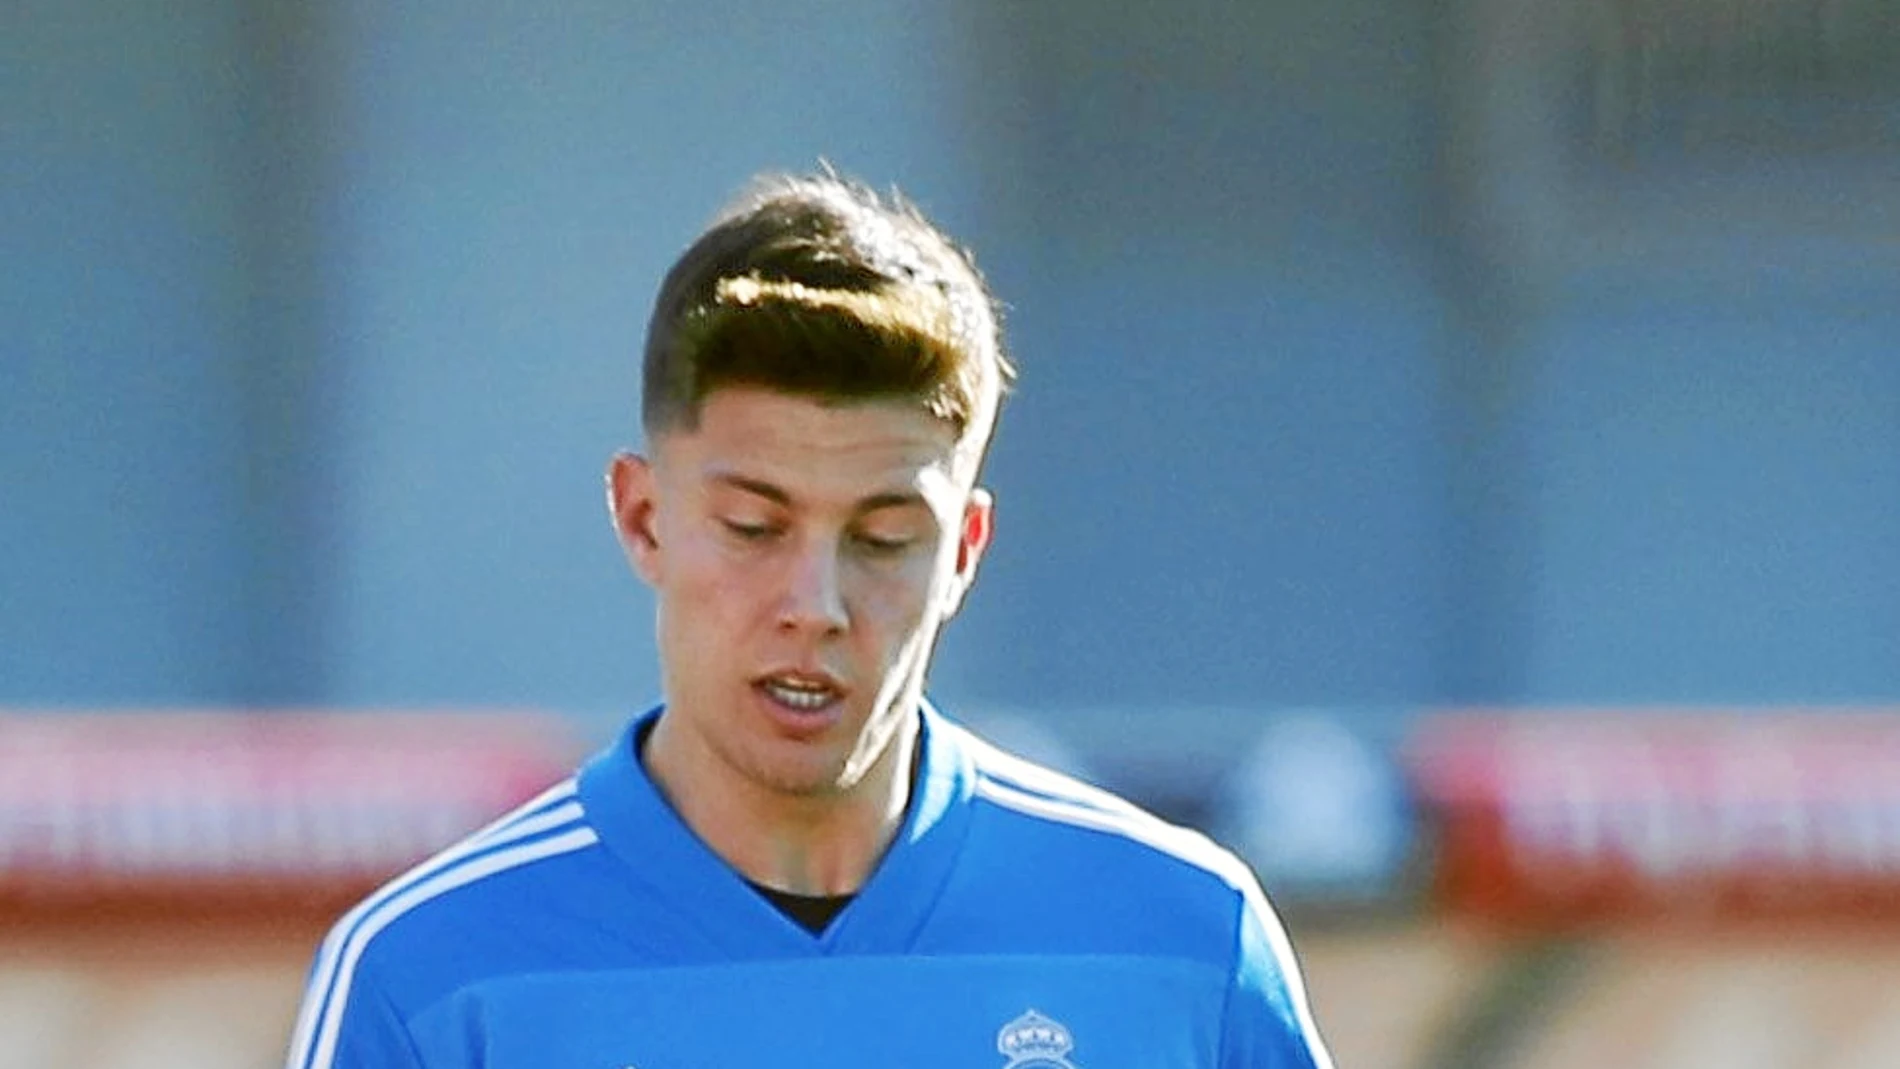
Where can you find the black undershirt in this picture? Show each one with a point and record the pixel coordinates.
(810, 912)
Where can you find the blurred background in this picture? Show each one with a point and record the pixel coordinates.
(1456, 462)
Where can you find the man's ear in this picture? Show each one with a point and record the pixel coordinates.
(632, 502)
(979, 524)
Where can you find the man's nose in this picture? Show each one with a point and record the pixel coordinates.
(814, 596)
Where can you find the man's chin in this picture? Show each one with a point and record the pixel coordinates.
(801, 775)
(803, 784)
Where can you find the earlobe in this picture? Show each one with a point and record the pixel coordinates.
(630, 503)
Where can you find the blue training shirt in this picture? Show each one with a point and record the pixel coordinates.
(1020, 920)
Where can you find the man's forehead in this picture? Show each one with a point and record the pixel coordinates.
(772, 437)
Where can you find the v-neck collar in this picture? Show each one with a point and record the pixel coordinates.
(643, 832)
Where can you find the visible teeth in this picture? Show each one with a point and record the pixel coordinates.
(799, 696)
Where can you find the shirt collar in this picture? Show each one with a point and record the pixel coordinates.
(660, 853)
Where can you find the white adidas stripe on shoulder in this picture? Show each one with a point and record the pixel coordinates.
(322, 1054)
(502, 844)
(1186, 845)
(550, 808)
(999, 765)
(1015, 783)
(1126, 821)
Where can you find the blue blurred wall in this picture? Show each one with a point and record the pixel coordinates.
(320, 323)
(123, 316)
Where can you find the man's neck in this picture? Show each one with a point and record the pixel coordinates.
(808, 844)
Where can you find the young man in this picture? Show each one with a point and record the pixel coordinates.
(796, 861)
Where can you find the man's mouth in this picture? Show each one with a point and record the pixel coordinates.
(801, 691)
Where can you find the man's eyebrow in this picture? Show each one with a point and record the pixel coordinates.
(754, 486)
(892, 500)
(888, 499)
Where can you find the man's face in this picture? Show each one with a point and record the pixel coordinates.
(804, 557)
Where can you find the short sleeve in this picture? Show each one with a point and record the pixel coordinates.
(1267, 1023)
(347, 1022)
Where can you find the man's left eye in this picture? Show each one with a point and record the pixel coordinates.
(884, 545)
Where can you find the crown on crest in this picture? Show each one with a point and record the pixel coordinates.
(1034, 1036)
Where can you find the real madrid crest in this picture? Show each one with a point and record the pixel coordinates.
(1033, 1041)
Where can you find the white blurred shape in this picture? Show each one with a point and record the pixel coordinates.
(1312, 802)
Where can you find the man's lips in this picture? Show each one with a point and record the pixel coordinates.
(801, 690)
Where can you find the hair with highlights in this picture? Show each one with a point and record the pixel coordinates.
(815, 285)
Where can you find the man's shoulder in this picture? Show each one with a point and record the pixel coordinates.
(1054, 817)
(463, 911)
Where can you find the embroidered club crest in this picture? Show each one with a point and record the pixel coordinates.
(1033, 1041)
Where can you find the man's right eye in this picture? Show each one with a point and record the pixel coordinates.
(748, 532)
